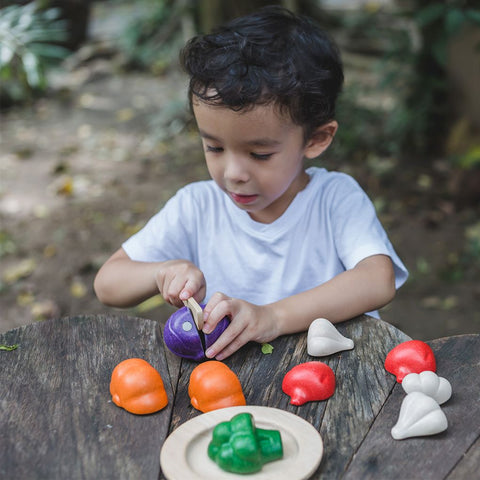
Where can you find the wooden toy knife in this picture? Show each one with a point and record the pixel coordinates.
(196, 311)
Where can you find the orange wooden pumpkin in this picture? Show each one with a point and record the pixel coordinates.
(137, 387)
(213, 385)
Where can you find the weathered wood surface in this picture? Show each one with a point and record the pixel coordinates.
(453, 454)
(57, 420)
(362, 386)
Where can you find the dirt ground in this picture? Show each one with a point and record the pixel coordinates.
(84, 168)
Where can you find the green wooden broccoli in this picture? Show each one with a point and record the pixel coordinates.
(238, 446)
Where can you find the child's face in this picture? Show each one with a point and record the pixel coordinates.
(255, 157)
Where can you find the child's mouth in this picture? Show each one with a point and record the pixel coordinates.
(243, 199)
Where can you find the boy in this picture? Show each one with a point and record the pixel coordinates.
(265, 242)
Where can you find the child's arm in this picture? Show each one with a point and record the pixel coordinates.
(122, 282)
(368, 286)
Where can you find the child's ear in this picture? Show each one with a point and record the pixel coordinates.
(321, 139)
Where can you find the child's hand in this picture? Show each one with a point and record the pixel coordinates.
(178, 280)
(249, 322)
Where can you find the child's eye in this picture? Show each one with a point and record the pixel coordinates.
(214, 149)
(261, 156)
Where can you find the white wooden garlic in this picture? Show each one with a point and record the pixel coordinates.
(324, 339)
(419, 415)
(430, 384)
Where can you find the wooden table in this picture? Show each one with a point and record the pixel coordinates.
(57, 420)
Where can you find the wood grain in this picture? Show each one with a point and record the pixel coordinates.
(436, 456)
(468, 465)
(363, 385)
(57, 418)
(58, 421)
(343, 420)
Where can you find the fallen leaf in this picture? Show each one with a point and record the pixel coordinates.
(7, 245)
(150, 304)
(267, 348)
(65, 186)
(78, 289)
(125, 114)
(49, 251)
(9, 348)
(44, 309)
(22, 269)
(440, 303)
(25, 298)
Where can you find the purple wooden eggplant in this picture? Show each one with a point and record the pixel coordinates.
(183, 339)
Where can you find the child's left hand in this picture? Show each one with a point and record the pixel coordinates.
(249, 322)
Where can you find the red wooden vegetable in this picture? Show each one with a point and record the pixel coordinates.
(308, 382)
(413, 356)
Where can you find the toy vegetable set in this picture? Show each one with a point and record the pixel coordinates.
(239, 444)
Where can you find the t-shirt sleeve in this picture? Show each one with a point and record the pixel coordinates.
(168, 235)
(357, 230)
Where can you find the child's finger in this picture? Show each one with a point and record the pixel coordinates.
(193, 288)
(212, 304)
(228, 342)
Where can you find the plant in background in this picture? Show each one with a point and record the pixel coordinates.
(412, 41)
(153, 38)
(29, 39)
(419, 57)
(361, 129)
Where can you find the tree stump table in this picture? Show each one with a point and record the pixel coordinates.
(58, 420)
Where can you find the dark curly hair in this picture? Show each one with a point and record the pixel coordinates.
(268, 57)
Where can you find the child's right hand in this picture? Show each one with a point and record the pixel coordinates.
(178, 280)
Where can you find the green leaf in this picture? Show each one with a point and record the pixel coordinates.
(430, 14)
(28, 46)
(32, 69)
(49, 51)
(454, 20)
(8, 348)
(439, 50)
(267, 348)
(471, 158)
(473, 15)
(6, 54)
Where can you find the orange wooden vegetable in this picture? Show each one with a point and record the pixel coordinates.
(137, 387)
(213, 385)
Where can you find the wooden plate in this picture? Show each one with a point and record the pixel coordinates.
(184, 452)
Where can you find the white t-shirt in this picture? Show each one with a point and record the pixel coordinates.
(328, 228)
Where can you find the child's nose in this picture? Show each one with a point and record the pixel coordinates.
(236, 169)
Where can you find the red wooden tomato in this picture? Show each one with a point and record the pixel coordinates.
(310, 381)
(413, 356)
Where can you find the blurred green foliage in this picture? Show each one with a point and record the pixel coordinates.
(151, 39)
(412, 45)
(29, 38)
(419, 58)
(362, 129)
